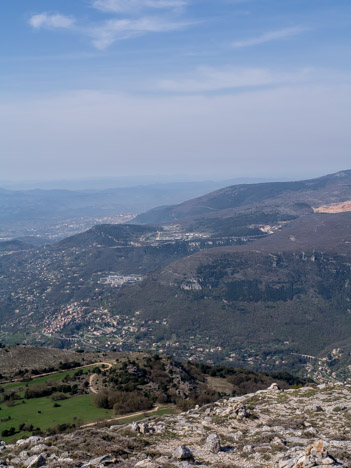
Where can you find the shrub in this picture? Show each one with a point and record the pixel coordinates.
(58, 397)
(122, 402)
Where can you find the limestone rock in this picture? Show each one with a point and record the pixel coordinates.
(241, 411)
(37, 449)
(182, 452)
(278, 442)
(213, 443)
(147, 463)
(100, 461)
(35, 461)
(274, 387)
(141, 428)
(315, 456)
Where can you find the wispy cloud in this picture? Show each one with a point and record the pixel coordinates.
(135, 22)
(270, 37)
(207, 79)
(118, 29)
(51, 21)
(130, 6)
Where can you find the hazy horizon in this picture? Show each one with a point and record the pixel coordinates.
(102, 183)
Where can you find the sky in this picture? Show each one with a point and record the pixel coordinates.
(202, 88)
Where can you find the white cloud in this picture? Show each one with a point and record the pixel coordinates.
(105, 33)
(119, 29)
(130, 6)
(54, 21)
(207, 79)
(269, 37)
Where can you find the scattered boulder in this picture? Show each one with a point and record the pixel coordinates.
(160, 428)
(274, 387)
(34, 440)
(182, 452)
(241, 411)
(147, 463)
(278, 442)
(142, 428)
(24, 455)
(38, 449)
(100, 461)
(315, 456)
(35, 461)
(213, 443)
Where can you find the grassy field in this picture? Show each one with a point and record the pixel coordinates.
(57, 376)
(41, 413)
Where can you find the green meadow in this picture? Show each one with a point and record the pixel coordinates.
(44, 413)
(41, 413)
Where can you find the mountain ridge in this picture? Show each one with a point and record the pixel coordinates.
(233, 199)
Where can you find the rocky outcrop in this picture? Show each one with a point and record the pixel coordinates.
(316, 455)
(302, 428)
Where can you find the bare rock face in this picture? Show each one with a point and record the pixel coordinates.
(213, 443)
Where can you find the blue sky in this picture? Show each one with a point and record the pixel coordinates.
(207, 87)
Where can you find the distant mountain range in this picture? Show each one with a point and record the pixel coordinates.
(54, 213)
(253, 203)
(251, 275)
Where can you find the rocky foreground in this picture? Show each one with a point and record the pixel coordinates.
(303, 428)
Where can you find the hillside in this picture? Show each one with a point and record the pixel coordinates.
(257, 304)
(57, 213)
(50, 391)
(301, 428)
(264, 299)
(242, 205)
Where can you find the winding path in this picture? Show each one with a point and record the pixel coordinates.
(93, 377)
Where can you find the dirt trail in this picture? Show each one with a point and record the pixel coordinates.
(34, 377)
(93, 377)
(120, 418)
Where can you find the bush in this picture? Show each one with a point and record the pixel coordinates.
(123, 402)
(58, 397)
(8, 432)
(38, 391)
